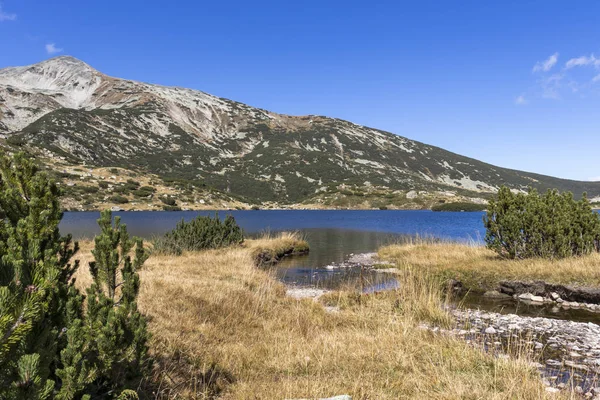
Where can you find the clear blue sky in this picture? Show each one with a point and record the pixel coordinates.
(490, 81)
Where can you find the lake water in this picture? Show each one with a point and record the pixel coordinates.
(332, 236)
(457, 226)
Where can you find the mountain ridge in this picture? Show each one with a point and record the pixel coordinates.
(71, 114)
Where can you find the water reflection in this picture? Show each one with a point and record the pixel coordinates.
(329, 246)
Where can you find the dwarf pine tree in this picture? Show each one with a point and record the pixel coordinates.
(49, 347)
(35, 280)
(119, 330)
(552, 225)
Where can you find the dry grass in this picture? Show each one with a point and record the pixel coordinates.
(480, 268)
(222, 327)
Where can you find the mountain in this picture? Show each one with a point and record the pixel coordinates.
(71, 115)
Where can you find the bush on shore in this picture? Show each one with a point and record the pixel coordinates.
(552, 225)
(459, 206)
(199, 234)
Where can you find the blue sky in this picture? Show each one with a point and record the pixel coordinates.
(507, 82)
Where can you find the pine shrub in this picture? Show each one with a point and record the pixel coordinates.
(199, 234)
(49, 347)
(35, 280)
(552, 225)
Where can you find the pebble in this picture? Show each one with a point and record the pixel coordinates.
(305, 293)
(575, 345)
(490, 330)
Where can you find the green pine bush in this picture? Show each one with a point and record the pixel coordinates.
(50, 348)
(199, 234)
(552, 225)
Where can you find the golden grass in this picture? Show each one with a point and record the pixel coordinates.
(480, 268)
(223, 328)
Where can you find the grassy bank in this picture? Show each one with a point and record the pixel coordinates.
(223, 328)
(481, 269)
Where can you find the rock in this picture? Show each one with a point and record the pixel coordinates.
(490, 330)
(552, 390)
(525, 296)
(554, 296)
(537, 299)
(305, 293)
(538, 346)
(494, 294)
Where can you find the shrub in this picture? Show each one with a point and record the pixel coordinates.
(89, 189)
(171, 208)
(168, 200)
(103, 185)
(119, 199)
(50, 348)
(144, 191)
(199, 234)
(552, 225)
(459, 206)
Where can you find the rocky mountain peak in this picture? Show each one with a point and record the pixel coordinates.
(69, 80)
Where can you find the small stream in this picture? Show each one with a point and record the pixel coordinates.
(565, 342)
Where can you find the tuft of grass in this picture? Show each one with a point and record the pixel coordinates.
(269, 248)
(479, 268)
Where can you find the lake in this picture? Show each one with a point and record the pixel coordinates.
(451, 225)
(332, 235)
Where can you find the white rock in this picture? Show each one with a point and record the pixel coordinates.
(552, 390)
(525, 296)
(554, 296)
(537, 299)
(490, 330)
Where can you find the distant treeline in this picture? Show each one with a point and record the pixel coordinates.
(459, 206)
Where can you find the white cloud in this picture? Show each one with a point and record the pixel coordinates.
(596, 78)
(583, 61)
(521, 100)
(52, 49)
(551, 86)
(4, 16)
(546, 65)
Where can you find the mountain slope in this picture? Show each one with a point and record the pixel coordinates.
(71, 112)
